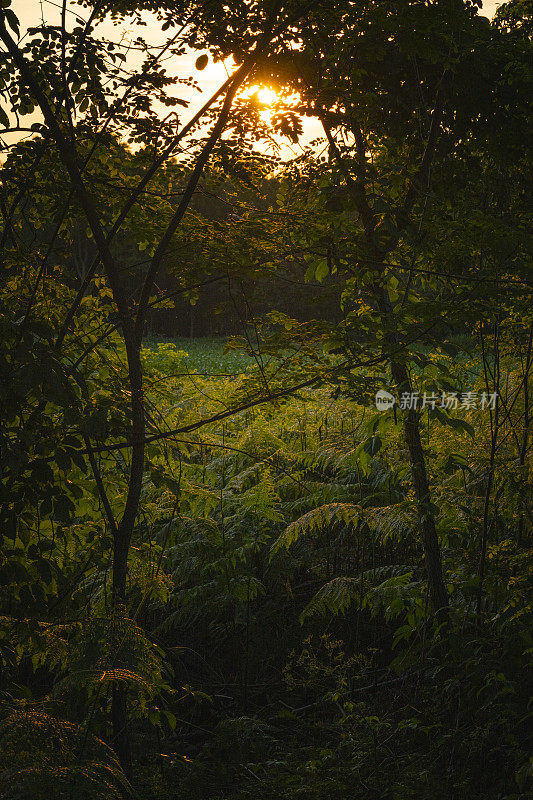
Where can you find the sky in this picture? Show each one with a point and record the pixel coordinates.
(31, 12)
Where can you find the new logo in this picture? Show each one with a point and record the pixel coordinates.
(384, 400)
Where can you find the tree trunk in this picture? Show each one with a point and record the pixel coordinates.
(411, 425)
(357, 188)
(121, 734)
(122, 539)
(430, 542)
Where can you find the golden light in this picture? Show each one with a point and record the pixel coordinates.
(270, 104)
(266, 96)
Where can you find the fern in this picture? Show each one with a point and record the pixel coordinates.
(113, 650)
(336, 595)
(43, 757)
(317, 520)
(392, 522)
(397, 595)
(333, 598)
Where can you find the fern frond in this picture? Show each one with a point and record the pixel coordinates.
(317, 520)
(392, 522)
(333, 598)
(43, 757)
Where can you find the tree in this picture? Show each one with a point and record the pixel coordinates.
(417, 214)
(392, 88)
(80, 90)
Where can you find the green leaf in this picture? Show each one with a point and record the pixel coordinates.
(78, 459)
(454, 422)
(155, 717)
(62, 459)
(171, 719)
(63, 508)
(44, 570)
(372, 445)
(322, 270)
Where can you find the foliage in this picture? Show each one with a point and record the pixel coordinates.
(44, 756)
(218, 562)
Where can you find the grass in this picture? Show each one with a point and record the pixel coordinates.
(206, 355)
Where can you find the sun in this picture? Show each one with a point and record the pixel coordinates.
(266, 96)
(265, 100)
(271, 104)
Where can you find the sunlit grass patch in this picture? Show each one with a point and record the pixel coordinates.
(206, 356)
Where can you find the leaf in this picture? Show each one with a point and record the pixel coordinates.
(155, 717)
(173, 485)
(78, 459)
(24, 532)
(454, 462)
(317, 520)
(322, 270)
(171, 719)
(44, 570)
(372, 445)
(13, 572)
(454, 422)
(202, 62)
(63, 508)
(12, 20)
(62, 459)
(334, 597)
(75, 490)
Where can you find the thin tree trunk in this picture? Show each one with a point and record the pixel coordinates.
(411, 422)
(411, 428)
(132, 325)
(525, 436)
(426, 518)
(121, 544)
(121, 734)
(494, 430)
